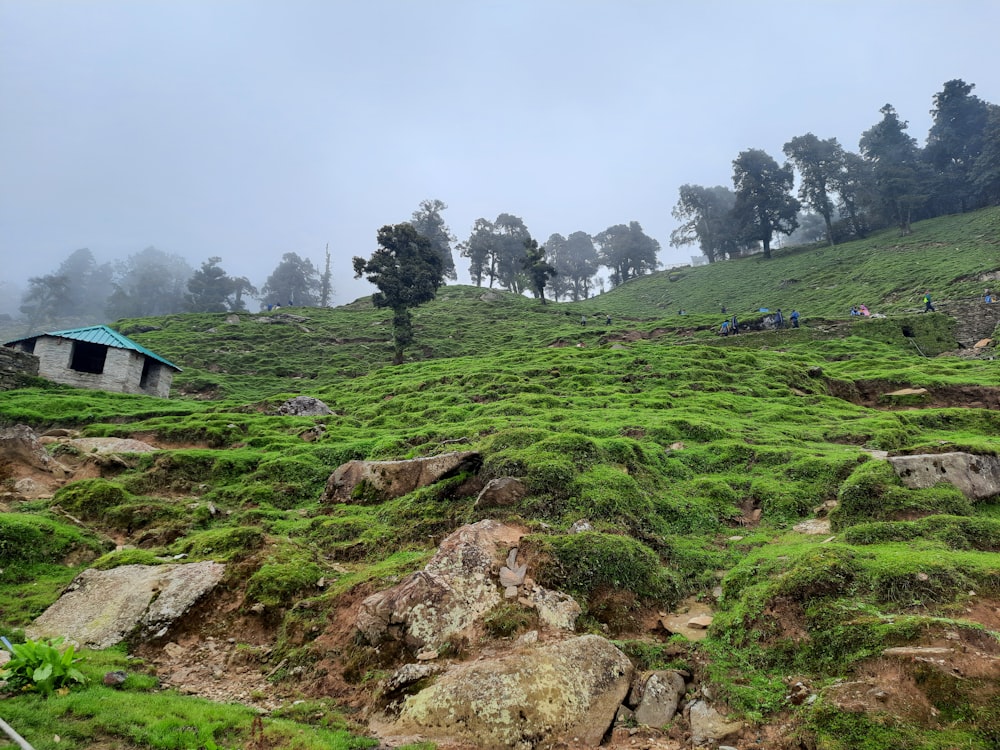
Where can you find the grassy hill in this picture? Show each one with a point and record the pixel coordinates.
(692, 456)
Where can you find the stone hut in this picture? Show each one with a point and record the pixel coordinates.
(99, 358)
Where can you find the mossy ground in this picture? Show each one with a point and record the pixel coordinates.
(691, 456)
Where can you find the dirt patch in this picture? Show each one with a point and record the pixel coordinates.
(872, 393)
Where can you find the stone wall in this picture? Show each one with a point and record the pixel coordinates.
(975, 319)
(15, 368)
(122, 370)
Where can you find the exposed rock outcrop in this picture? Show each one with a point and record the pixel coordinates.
(656, 696)
(708, 725)
(20, 444)
(304, 406)
(502, 492)
(444, 599)
(103, 607)
(524, 700)
(382, 480)
(978, 477)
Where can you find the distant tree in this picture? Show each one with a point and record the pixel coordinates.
(763, 201)
(241, 286)
(819, 163)
(295, 281)
(495, 250)
(75, 294)
(856, 199)
(325, 282)
(407, 271)
(580, 264)
(40, 304)
(899, 174)
(428, 222)
(627, 251)
(481, 251)
(209, 288)
(985, 172)
(539, 271)
(511, 234)
(955, 141)
(150, 282)
(707, 216)
(812, 228)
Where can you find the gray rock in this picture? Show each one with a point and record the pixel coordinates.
(444, 599)
(659, 697)
(502, 492)
(304, 406)
(103, 607)
(532, 698)
(391, 479)
(978, 477)
(708, 725)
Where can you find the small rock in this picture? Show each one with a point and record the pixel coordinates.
(114, 679)
(428, 655)
(701, 622)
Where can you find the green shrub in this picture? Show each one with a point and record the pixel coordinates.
(41, 666)
(126, 557)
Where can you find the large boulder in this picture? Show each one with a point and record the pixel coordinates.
(384, 480)
(530, 698)
(304, 406)
(20, 444)
(978, 477)
(103, 607)
(444, 600)
(656, 697)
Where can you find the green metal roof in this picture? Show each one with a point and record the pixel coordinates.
(99, 335)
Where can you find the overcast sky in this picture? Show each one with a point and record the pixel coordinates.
(250, 128)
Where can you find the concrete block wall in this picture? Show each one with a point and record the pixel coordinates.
(122, 369)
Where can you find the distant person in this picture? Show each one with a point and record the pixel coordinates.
(734, 326)
(855, 310)
(723, 309)
(987, 296)
(864, 311)
(608, 321)
(794, 317)
(779, 319)
(724, 328)
(583, 320)
(928, 305)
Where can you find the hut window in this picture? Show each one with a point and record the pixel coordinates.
(88, 357)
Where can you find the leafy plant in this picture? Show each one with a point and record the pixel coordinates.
(41, 667)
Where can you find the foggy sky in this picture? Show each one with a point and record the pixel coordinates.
(249, 128)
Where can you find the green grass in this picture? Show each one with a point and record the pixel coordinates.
(667, 439)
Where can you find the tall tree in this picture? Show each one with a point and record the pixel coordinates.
(428, 222)
(855, 188)
(295, 281)
(819, 162)
(325, 282)
(150, 282)
(580, 265)
(539, 270)
(512, 235)
(707, 216)
(40, 303)
(75, 294)
(480, 249)
(241, 286)
(985, 171)
(627, 251)
(898, 173)
(407, 271)
(209, 288)
(764, 204)
(955, 141)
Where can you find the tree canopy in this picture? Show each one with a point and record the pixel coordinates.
(295, 281)
(627, 251)
(764, 204)
(408, 271)
(428, 222)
